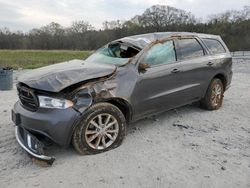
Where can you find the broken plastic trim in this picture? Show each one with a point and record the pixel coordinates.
(20, 140)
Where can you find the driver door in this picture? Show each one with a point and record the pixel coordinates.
(159, 86)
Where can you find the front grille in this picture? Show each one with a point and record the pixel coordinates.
(27, 97)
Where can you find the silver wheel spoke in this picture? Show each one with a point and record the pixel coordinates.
(111, 124)
(93, 137)
(103, 142)
(95, 124)
(218, 99)
(111, 131)
(219, 91)
(98, 142)
(100, 120)
(214, 98)
(107, 120)
(110, 137)
(90, 132)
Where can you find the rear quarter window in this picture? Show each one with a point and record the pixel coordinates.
(214, 46)
(189, 48)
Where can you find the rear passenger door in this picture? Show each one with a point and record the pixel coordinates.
(220, 58)
(195, 63)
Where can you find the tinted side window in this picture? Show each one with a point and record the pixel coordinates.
(161, 53)
(214, 46)
(189, 48)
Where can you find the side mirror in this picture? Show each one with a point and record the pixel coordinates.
(143, 67)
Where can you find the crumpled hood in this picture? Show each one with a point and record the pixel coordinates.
(55, 78)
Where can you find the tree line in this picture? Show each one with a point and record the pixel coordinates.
(233, 26)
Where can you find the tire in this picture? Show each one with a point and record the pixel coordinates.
(91, 127)
(214, 96)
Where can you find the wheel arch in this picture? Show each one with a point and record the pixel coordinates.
(123, 105)
(223, 78)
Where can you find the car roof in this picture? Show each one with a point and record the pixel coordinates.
(143, 40)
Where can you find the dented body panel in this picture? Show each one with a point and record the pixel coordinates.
(55, 78)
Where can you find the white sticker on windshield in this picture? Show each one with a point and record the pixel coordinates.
(123, 47)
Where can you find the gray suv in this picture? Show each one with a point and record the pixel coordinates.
(89, 103)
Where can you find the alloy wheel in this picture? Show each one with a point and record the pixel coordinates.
(102, 131)
(216, 94)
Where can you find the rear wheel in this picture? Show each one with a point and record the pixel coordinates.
(102, 128)
(214, 95)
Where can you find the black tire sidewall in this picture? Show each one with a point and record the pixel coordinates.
(99, 108)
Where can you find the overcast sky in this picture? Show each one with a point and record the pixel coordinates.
(28, 14)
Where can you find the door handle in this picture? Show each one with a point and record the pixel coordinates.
(210, 63)
(175, 71)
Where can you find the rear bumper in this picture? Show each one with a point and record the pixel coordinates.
(31, 145)
(229, 79)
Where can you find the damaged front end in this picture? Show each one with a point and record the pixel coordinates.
(38, 122)
(39, 114)
(53, 99)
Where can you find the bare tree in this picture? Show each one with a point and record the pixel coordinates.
(161, 16)
(81, 27)
(231, 16)
(109, 25)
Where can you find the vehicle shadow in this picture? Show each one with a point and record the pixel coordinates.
(172, 116)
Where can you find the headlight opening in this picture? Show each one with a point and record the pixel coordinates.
(50, 102)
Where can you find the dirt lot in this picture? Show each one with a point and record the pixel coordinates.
(211, 149)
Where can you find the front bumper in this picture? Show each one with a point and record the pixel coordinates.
(32, 145)
(55, 124)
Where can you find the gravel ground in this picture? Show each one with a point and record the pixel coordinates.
(210, 149)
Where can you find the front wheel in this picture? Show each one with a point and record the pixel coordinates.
(214, 95)
(102, 128)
